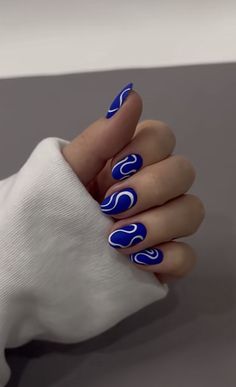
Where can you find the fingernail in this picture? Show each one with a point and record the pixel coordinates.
(119, 201)
(147, 257)
(127, 166)
(128, 235)
(119, 100)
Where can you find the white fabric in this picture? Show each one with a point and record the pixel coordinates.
(59, 278)
(58, 36)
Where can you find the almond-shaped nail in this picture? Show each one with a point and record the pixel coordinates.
(128, 235)
(151, 256)
(119, 100)
(127, 166)
(119, 201)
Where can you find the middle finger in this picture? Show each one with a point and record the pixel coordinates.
(153, 186)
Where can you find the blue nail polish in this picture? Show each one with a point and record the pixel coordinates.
(119, 100)
(127, 236)
(127, 166)
(147, 257)
(119, 201)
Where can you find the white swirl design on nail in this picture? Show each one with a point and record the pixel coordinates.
(121, 101)
(126, 232)
(148, 253)
(127, 193)
(125, 164)
(120, 162)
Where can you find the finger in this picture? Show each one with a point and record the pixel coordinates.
(175, 219)
(171, 259)
(89, 151)
(152, 186)
(153, 141)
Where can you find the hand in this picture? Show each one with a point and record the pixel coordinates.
(149, 203)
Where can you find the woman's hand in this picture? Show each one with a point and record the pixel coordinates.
(128, 167)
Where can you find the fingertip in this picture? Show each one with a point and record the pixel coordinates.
(177, 260)
(132, 106)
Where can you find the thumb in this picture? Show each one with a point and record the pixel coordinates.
(88, 153)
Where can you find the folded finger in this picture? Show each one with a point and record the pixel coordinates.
(152, 186)
(172, 258)
(153, 141)
(175, 219)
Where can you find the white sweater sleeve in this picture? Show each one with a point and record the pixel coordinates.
(59, 278)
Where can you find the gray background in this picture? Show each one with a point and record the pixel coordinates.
(189, 338)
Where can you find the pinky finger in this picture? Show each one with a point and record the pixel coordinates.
(175, 259)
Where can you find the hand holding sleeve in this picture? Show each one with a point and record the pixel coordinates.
(59, 278)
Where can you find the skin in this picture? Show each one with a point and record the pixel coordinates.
(163, 206)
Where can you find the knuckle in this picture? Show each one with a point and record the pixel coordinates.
(159, 129)
(185, 262)
(166, 133)
(198, 208)
(156, 182)
(185, 166)
(185, 269)
(178, 264)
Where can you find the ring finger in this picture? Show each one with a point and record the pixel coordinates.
(175, 219)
